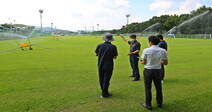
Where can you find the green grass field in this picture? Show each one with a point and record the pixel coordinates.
(64, 78)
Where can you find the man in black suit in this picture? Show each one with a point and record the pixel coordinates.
(106, 52)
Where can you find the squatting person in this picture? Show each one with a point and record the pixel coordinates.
(106, 52)
(163, 45)
(152, 58)
(134, 55)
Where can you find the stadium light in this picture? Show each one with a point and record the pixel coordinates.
(127, 15)
(41, 11)
(97, 27)
(51, 26)
(12, 23)
(93, 28)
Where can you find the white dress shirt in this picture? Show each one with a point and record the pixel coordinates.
(154, 56)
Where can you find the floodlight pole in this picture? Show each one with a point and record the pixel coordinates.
(41, 11)
(127, 16)
(12, 23)
(15, 25)
(97, 27)
(51, 26)
(93, 28)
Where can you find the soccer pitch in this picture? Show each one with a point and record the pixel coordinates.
(61, 76)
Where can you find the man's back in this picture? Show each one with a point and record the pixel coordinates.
(154, 55)
(106, 52)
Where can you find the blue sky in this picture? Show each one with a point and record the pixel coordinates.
(78, 14)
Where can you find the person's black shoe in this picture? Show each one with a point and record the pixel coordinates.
(145, 106)
(136, 80)
(160, 105)
(131, 76)
(106, 96)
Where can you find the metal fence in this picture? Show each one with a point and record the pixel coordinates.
(196, 36)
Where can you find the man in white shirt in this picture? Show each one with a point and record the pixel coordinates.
(152, 58)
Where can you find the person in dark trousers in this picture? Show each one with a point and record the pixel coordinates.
(163, 45)
(106, 52)
(152, 58)
(134, 55)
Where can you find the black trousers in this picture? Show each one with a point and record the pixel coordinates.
(149, 76)
(162, 72)
(134, 64)
(104, 79)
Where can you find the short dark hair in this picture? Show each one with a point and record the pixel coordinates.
(133, 36)
(160, 36)
(155, 40)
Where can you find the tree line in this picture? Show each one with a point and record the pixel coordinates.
(167, 22)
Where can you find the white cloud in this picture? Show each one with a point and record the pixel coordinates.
(172, 7)
(66, 14)
(161, 5)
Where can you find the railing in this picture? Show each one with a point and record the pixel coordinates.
(196, 36)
